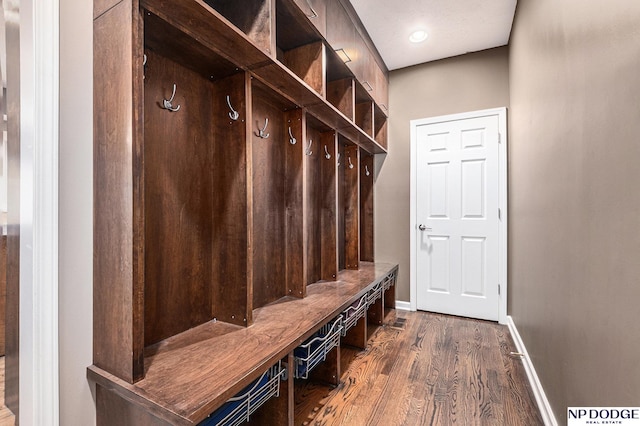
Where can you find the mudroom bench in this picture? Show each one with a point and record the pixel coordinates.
(190, 376)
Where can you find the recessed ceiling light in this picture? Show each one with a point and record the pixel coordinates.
(418, 36)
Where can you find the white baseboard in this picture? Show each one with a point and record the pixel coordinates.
(403, 306)
(541, 398)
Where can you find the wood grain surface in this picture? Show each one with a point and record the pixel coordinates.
(189, 375)
(428, 369)
(6, 416)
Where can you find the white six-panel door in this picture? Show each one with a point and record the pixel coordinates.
(456, 216)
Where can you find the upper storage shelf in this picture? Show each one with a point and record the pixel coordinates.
(292, 57)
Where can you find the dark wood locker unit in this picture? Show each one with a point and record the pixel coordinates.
(366, 207)
(316, 11)
(229, 220)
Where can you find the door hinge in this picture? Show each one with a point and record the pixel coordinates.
(499, 213)
(498, 289)
(499, 138)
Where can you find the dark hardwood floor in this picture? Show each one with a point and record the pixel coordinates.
(426, 369)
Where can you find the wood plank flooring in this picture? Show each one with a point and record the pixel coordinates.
(6, 416)
(426, 369)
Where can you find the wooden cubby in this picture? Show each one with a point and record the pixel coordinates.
(366, 207)
(232, 216)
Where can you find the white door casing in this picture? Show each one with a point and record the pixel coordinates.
(458, 214)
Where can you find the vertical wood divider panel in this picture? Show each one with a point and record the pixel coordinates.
(357, 335)
(295, 239)
(366, 207)
(328, 208)
(352, 207)
(328, 371)
(231, 214)
(380, 127)
(118, 285)
(341, 167)
(277, 411)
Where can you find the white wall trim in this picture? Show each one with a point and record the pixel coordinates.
(502, 201)
(541, 398)
(39, 106)
(403, 306)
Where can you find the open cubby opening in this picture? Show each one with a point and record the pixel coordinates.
(340, 94)
(366, 206)
(274, 184)
(363, 110)
(380, 127)
(252, 17)
(320, 159)
(308, 63)
(183, 183)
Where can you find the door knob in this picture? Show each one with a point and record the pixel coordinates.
(423, 228)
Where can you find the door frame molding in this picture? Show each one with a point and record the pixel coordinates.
(502, 201)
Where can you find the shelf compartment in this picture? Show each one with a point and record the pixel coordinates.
(350, 206)
(252, 17)
(238, 409)
(315, 349)
(309, 63)
(366, 207)
(390, 280)
(353, 313)
(340, 94)
(364, 117)
(320, 195)
(275, 166)
(380, 132)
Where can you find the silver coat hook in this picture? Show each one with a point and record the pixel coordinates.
(366, 170)
(167, 104)
(338, 159)
(326, 153)
(292, 140)
(144, 59)
(308, 151)
(233, 114)
(350, 163)
(261, 132)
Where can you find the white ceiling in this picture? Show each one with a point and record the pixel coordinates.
(455, 27)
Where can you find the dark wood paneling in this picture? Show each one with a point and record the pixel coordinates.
(210, 28)
(341, 160)
(375, 315)
(295, 238)
(118, 194)
(366, 207)
(351, 207)
(316, 12)
(170, 42)
(357, 335)
(231, 298)
(293, 27)
(112, 409)
(101, 6)
(380, 121)
(178, 198)
(216, 360)
(341, 94)
(364, 117)
(313, 157)
(277, 411)
(269, 281)
(328, 207)
(308, 63)
(340, 29)
(328, 371)
(381, 95)
(252, 17)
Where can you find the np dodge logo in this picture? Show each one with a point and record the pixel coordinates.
(627, 416)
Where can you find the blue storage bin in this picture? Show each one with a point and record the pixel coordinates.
(238, 409)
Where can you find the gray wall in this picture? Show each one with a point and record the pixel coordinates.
(464, 83)
(76, 211)
(574, 197)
